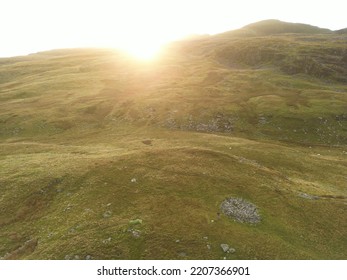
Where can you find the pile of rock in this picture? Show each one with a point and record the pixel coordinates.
(240, 210)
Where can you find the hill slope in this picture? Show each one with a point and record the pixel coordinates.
(106, 157)
(272, 27)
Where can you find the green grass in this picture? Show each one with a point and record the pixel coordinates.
(73, 131)
(60, 196)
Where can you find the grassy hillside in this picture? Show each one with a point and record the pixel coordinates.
(106, 157)
(273, 27)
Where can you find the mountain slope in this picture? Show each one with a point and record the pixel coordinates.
(342, 31)
(272, 27)
(106, 157)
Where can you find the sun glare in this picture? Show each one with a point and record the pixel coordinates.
(140, 27)
(143, 51)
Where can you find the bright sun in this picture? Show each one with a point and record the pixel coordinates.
(143, 51)
(139, 27)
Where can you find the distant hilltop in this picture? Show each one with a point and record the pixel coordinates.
(274, 27)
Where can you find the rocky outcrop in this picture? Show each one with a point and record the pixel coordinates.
(240, 210)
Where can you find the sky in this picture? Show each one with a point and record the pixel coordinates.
(142, 26)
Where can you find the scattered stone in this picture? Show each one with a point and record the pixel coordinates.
(308, 196)
(240, 210)
(67, 257)
(231, 250)
(88, 210)
(77, 257)
(88, 257)
(218, 123)
(177, 241)
(72, 230)
(212, 221)
(106, 241)
(342, 117)
(249, 161)
(133, 180)
(136, 233)
(107, 214)
(182, 254)
(262, 120)
(208, 246)
(225, 247)
(205, 237)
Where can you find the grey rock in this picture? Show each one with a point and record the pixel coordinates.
(107, 214)
(308, 196)
(136, 233)
(106, 241)
(240, 210)
(182, 254)
(262, 120)
(225, 247)
(231, 250)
